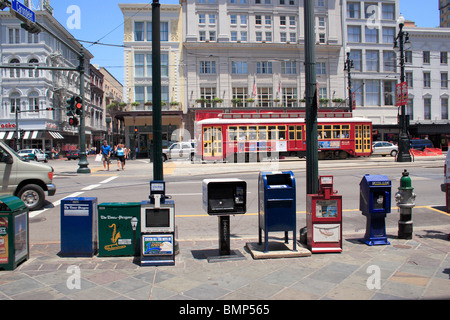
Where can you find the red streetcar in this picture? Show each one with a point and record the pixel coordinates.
(244, 137)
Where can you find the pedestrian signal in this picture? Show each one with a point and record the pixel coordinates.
(73, 121)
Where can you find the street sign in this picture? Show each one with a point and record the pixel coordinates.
(23, 11)
(402, 93)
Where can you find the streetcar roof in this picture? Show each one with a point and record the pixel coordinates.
(279, 120)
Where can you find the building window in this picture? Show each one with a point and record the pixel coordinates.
(264, 67)
(427, 109)
(243, 36)
(201, 36)
(288, 67)
(426, 57)
(239, 67)
(207, 67)
(321, 68)
(409, 79)
(426, 79)
(268, 36)
(389, 61)
(282, 20)
(14, 100)
(354, 33)
(202, 18)
(372, 92)
(138, 31)
(353, 10)
(372, 35)
(264, 97)
(208, 93)
(444, 79)
(408, 57)
(444, 57)
(258, 36)
(33, 73)
(240, 95)
(212, 36)
(212, 19)
(444, 108)
(410, 109)
(322, 38)
(321, 21)
(14, 35)
(233, 36)
(283, 37)
(258, 19)
(371, 60)
(33, 102)
(139, 92)
(14, 73)
(388, 35)
(388, 11)
(389, 92)
(355, 55)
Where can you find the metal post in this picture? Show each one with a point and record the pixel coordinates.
(17, 127)
(403, 143)
(348, 67)
(156, 87)
(83, 163)
(312, 165)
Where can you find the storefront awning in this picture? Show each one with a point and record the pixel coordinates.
(56, 135)
(31, 135)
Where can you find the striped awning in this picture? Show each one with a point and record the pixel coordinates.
(56, 135)
(30, 135)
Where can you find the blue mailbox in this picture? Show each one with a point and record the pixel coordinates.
(375, 203)
(79, 227)
(276, 205)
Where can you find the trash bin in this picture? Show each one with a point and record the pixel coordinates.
(277, 205)
(14, 232)
(79, 227)
(119, 230)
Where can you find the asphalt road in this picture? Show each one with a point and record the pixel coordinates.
(184, 183)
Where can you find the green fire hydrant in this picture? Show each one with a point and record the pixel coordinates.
(405, 198)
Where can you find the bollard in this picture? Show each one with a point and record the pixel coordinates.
(405, 198)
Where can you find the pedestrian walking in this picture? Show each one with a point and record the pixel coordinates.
(120, 154)
(105, 151)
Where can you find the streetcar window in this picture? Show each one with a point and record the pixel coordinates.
(232, 133)
(281, 132)
(327, 132)
(272, 133)
(252, 134)
(262, 133)
(345, 131)
(299, 133)
(291, 133)
(242, 133)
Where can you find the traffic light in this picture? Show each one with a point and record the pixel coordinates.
(78, 106)
(70, 107)
(31, 27)
(73, 121)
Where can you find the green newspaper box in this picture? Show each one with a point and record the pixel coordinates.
(14, 234)
(119, 229)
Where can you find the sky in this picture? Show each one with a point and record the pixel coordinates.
(102, 21)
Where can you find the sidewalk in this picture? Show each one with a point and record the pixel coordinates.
(407, 269)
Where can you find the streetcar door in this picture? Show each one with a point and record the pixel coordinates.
(212, 142)
(358, 138)
(367, 138)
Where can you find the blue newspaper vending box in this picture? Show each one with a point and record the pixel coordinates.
(79, 227)
(276, 205)
(375, 203)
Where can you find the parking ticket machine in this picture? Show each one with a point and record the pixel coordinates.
(324, 218)
(157, 227)
(375, 203)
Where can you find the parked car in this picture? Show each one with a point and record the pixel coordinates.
(33, 154)
(26, 180)
(384, 148)
(73, 154)
(446, 172)
(421, 144)
(179, 150)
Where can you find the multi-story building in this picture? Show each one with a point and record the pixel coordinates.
(369, 30)
(248, 55)
(427, 70)
(96, 109)
(38, 97)
(444, 13)
(138, 73)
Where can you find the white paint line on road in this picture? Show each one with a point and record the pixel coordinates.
(92, 186)
(108, 180)
(55, 204)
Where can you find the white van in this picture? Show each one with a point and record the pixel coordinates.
(446, 171)
(27, 180)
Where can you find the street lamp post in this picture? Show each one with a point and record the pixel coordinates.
(403, 143)
(348, 67)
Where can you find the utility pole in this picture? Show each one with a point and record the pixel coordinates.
(403, 143)
(156, 87)
(83, 163)
(348, 67)
(312, 161)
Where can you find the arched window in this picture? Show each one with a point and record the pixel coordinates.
(14, 73)
(14, 99)
(33, 100)
(33, 73)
